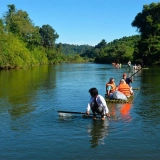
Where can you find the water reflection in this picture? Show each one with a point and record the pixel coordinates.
(18, 111)
(21, 88)
(120, 111)
(98, 131)
(29, 124)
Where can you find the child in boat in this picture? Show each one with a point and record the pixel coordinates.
(97, 104)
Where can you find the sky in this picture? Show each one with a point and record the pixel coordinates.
(82, 22)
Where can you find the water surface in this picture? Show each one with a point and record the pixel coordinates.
(31, 128)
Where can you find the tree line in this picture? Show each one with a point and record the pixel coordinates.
(118, 51)
(143, 48)
(22, 44)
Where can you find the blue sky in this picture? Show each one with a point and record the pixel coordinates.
(82, 21)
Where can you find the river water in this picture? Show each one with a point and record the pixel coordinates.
(32, 129)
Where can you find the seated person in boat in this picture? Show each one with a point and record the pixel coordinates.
(97, 104)
(128, 80)
(124, 88)
(110, 87)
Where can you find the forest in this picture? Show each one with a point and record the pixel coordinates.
(143, 48)
(34, 45)
(22, 44)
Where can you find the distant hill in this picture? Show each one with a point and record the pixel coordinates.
(127, 41)
(71, 49)
(119, 50)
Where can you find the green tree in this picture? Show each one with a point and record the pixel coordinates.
(59, 48)
(102, 44)
(13, 53)
(19, 23)
(1, 26)
(148, 25)
(48, 35)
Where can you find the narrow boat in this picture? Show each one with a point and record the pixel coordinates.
(118, 100)
(129, 100)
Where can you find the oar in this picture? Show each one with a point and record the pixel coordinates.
(71, 112)
(84, 114)
(135, 73)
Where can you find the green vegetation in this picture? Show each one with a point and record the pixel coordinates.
(148, 24)
(68, 49)
(118, 51)
(33, 45)
(143, 48)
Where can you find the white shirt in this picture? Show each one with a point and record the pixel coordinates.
(129, 63)
(101, 103)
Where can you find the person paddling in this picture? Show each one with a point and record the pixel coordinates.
(127, 80)
(97, 104)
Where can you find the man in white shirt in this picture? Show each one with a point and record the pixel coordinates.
(97, 104)
(129, 64)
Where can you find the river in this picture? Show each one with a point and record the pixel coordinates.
(32, 129)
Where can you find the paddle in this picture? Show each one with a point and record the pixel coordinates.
(135, 73)
(71, 112)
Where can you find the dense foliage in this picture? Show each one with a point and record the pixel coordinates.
(22, 44)
(118, 51)
(143, 48)
(74, 49)
(148, 25)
